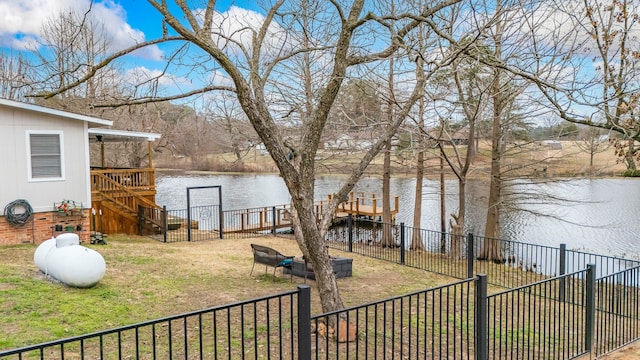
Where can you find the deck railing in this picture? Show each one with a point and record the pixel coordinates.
(135, 179)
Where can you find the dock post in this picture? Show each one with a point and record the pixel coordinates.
(374, 206)
(351, 201)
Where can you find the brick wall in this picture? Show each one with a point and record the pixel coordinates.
(42, 227)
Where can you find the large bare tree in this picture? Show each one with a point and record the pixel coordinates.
(261, 62)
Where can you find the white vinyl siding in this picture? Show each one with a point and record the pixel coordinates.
(46, 160)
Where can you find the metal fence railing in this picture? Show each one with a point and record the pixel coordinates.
(554, 308)
(433, 323)
(550, 319)
(512, 264)
(436, 323)
(617, 306)
(605, 264)
(256, 221)
(199, 223)
(557, 318)
(518, 263)
(258, 328)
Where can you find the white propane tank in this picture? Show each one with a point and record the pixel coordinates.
(64, 259)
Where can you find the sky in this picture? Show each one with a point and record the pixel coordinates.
(127, 20)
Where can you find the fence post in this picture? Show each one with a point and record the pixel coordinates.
(402, 243)
(562, 270)
(304, 322)
(188, 215)
(164, 223)
(470, 255)
(140, 225)
(273, 215)
(481, 337)
(590, 307)
(350, 232)
(221, 223)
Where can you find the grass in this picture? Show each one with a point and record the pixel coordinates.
(146, 279)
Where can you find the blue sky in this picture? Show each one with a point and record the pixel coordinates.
(127, 22)
(21, 20)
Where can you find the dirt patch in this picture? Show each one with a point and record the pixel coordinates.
(631, 351)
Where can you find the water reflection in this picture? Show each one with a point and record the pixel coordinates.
(596, 215)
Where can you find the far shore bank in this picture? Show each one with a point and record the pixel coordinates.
(533, 162)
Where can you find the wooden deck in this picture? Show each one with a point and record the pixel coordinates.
(365, 206)
(116, 195)
(258, 220)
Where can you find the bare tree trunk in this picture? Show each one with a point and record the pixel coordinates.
(387, 238)
(457, 228)
(443, 209)
(416, 237)
(313, 241)
(491, 249)
(629, 158)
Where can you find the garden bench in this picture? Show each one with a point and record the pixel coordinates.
(269, 257)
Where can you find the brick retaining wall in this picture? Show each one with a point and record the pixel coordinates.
(42, 227)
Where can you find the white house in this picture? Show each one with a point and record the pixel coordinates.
(45, 161)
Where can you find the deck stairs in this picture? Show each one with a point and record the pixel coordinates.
(123, 201)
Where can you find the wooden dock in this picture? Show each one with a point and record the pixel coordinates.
(259, 220)
(265, 219)
(363, 206)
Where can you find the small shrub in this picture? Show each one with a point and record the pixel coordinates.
(631, 173)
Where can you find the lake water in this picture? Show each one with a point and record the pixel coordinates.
(599, 215)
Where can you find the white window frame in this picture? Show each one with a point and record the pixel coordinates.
(62, 159)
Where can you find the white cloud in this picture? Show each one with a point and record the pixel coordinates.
(26, 17)
(21, 23)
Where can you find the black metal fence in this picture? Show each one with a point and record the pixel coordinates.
(267, 327)
(550, 319)
(199, 223)
(557, 318)
(507, 263)
(435, 323)
(617, 304)
(257, 221)
(554, 309)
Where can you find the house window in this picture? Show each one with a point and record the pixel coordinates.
(45, 155)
